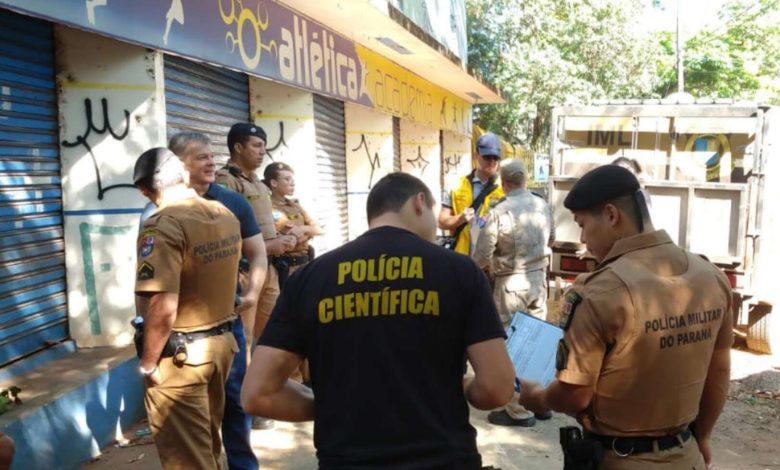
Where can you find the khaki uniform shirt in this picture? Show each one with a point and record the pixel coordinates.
(289, 213)
(255, 191)
(516, 235)
(641, 329)
(191, 248)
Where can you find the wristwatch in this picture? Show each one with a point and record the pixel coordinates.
(147, 372)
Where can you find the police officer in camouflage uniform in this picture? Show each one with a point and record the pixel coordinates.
(513, 246)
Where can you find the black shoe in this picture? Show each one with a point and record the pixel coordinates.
(502, 418)
(543, 416)
(261, 423)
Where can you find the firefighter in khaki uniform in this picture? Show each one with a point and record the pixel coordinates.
(188, 254)
(645, 357)
(246, 143)
(289, 219)
(513, 247)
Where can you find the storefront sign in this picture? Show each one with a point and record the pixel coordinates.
(263, 38)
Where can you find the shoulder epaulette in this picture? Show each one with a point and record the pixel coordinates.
(496, 202)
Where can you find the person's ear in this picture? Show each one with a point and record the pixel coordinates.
(611, 214)
(418, 203)
(148, 193)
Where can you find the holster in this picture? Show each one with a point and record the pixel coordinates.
(579, 453)
(175, 347)
(282, 268)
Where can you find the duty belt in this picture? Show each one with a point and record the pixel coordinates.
(625, 446)
(191, 336)
(291, 260)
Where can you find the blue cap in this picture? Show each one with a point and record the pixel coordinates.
(489, 144)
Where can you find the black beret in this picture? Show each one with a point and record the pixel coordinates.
(241, 131)
(600, 185)
(148, 164)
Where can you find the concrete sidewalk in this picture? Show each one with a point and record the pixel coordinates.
(289, 446)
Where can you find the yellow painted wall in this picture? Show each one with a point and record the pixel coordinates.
(369, 158)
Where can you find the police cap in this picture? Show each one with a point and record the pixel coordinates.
(240, 131)
(600, 185)
(272, 171)
(148, 164)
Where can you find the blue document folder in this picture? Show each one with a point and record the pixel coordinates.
(532, 345)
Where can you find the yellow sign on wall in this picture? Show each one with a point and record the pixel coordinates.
(397, 91)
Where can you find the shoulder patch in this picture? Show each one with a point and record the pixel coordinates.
(145, 272)
(147, 243)
(572, 299)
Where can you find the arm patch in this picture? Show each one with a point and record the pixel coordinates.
(567, 311)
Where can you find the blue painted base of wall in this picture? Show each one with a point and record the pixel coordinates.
(69, 429)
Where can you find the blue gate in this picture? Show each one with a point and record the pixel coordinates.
(33, 311)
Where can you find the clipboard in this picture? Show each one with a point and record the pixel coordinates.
(532, 345)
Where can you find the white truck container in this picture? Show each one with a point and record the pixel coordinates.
(713, 179)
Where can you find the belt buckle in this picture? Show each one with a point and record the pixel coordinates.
(619, 453)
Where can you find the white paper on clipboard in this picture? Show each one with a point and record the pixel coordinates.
(532, 345)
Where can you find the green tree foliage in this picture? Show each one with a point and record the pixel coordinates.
(739, 58)
(546, 52)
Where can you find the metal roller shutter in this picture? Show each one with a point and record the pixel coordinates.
(33, 311)
(331, 168)
(206, 99)
(442, 175)
(396, 143)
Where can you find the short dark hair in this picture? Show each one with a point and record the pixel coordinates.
(179, 142)
(391, 192)
(627, 204)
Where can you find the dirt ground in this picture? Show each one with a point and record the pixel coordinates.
(745, 438)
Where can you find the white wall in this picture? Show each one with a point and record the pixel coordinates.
(278, 108)
(106, 78)
(421, 154)
(457, 158)
(369, 158)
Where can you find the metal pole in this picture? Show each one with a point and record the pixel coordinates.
(680, 74)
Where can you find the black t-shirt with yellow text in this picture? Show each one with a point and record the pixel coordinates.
(385, 322)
